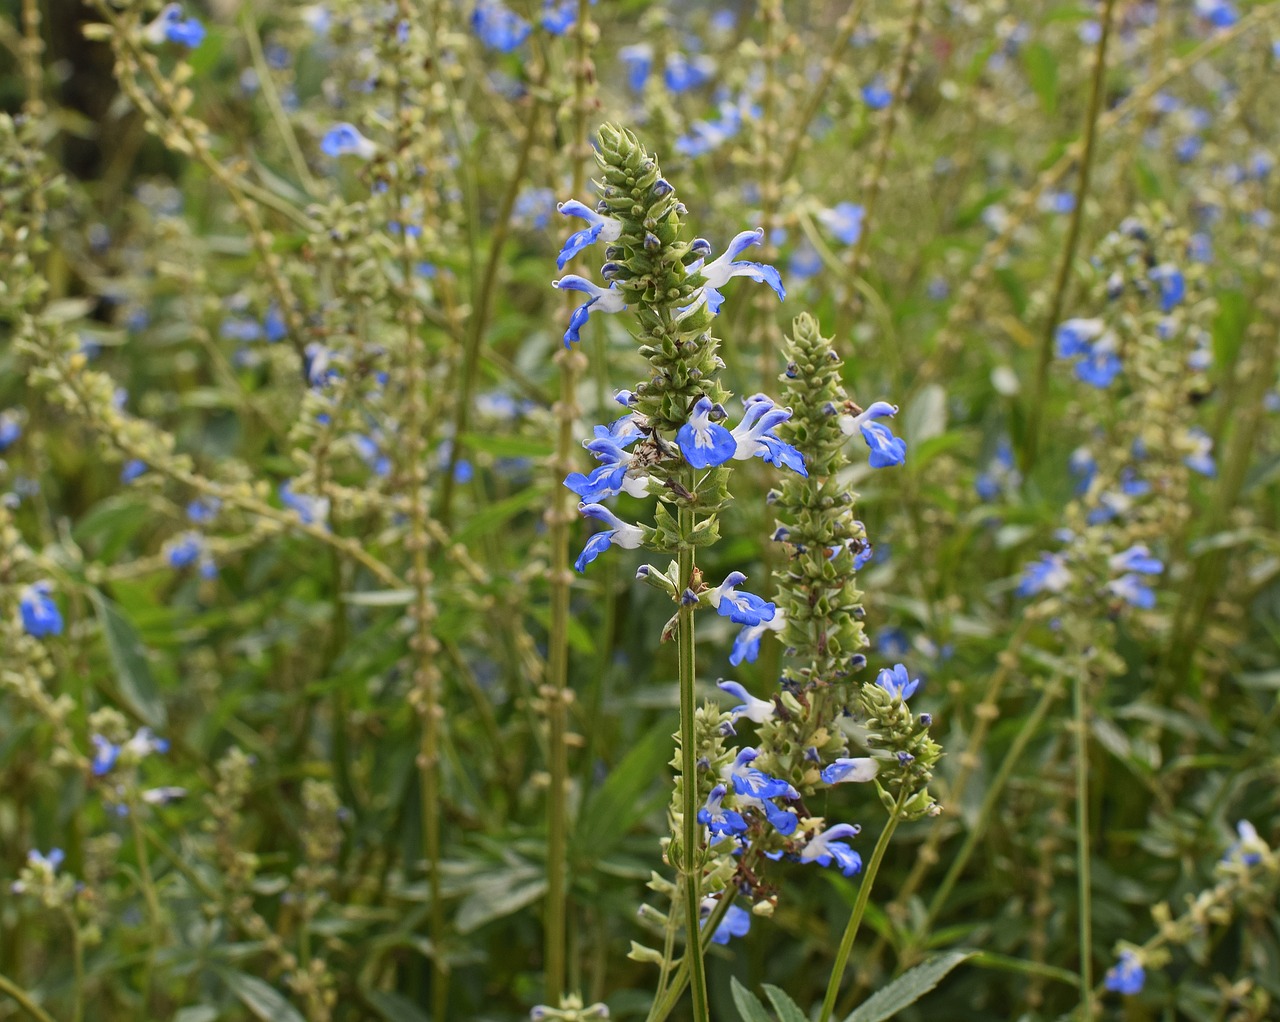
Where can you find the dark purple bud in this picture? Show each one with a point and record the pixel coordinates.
(689, 597)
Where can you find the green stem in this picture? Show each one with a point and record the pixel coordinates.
(690, 865)
(666, 1000)
(1035, 408)
(7, 986)
(77, 964)
(859, 909)
(557, 694)
(1083, 871)
(994, 789)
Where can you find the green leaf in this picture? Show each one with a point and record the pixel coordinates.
(395, 1008)
(613, 808)
(500, 894)
(508, 446)
(908, 988)
(262, 999)
(747, 1003)
(1042, 73)
(135, 686)
(787, 1009)
(1229, 326)
(490, 517)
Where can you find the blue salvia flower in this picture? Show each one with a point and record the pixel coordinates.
(1101, 365)
(40, 615)
(844, 220)
(1201, 457)
(683, 75)
(755, 710)
(311, 510)
(1075, 337)
(638, 61)
(1172, 284)
(746, 646)
(1218, 13)
(850, 770)
(1047, 575)
(754, 435)
(1133, 590)
(498, 27)
(132, 469)
(558, 16)
(619, 534)
(897, 682)
(1249, 848)
(1083, 466)
(704, 443)
(720, 821)
(173, 26)
(184, 550)
(755, 790)
(887, 450)
(601, 299)
(875, 95)
(203, 510)
(317, 365)
(599, 228)
(37, 862)
(825, 849)
(105, 755)
(10, 428)
(736, 922)
(345, 140)
(721, 270)
(1137, 558)
(740, 607)
(1127, 976)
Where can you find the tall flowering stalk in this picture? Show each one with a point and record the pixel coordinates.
(671, 443)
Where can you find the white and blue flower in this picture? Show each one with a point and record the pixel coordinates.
(740, 607)
(825, 848)
(599, 228)
(40, 615)
(898, 682)
(705, 444)
(720, 271)
(619, 534)
(601, 299)
(173, 26)
(345, 140)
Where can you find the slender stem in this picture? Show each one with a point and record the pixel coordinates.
(77, 965)
(691, 862)
(560, 517)
(32, 47)
(664, 1003)
(1035, 410)
(1083, 854)
(859, 909)
(994, 789)
(8, 987)
(272, 96)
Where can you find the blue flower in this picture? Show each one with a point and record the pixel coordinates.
(638, 60)
(824, 849)
(1200, 458)
(498, 27)
(602, 299)
(1133, 590)
(185, 550)
(742, 608)
(1173, 286)
(203, 510)
(1047, 575)
(721, 270)
(1099, 368)
(599, 228)
(51, 862)
(754, 436)
(1136, 558)
(1127, 976)
(345, 140)
(559, 17)
(746, 646)
(604, 482)
(897, 682)
(1249, 848)
(1218, 13)
(848, 770)
(887, 450)
(736, 922)
(40, 615)
(704, 443)
(720, 821)
(312, 510)
(1083, 466)
(682, 74)
(755, 710)
(104, 756)
(317, 367)
(750, 783)
(844, 220)
(1075, 337)
(619, 534)
(10, 428)
(172, 26)
(875, 95)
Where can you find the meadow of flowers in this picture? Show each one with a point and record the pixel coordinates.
(764, 511)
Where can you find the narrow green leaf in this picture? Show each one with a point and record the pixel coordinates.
(508, 446)
(261, 998)
(747, 1003)
(499, 894)
(197, 1013)
(908, 988)
(787, 1009)
(135, 686)
(490, 517)
(613, 808)
(1042, 73)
